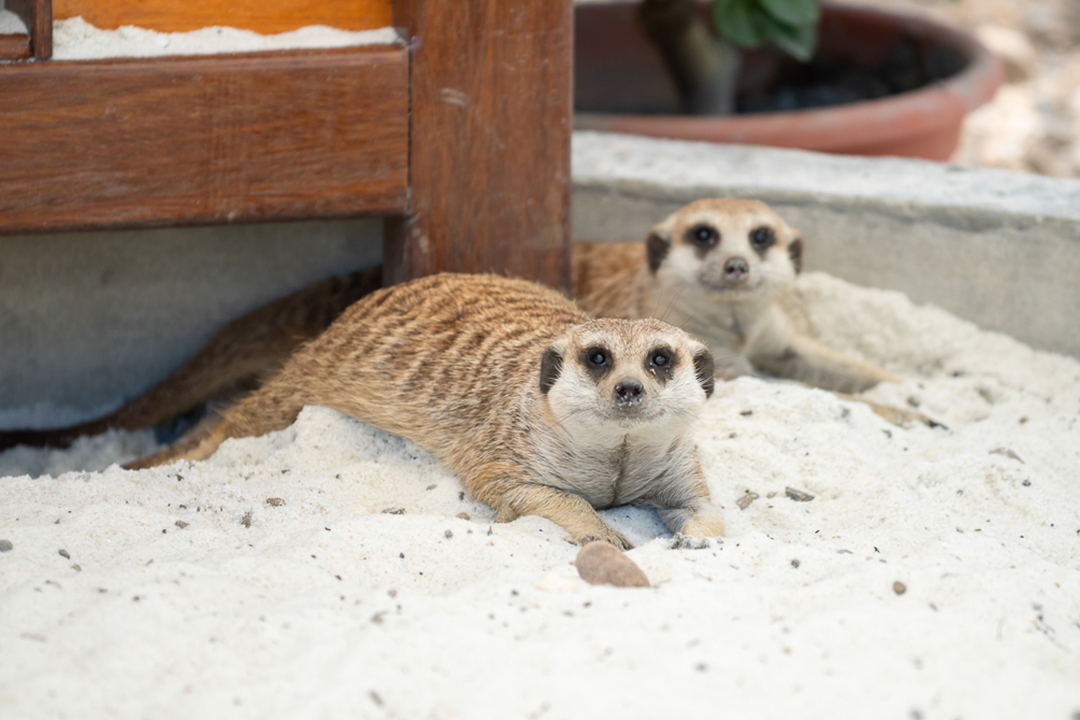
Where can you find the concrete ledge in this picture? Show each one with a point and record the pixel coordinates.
(999, 248)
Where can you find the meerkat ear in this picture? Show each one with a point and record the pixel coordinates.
(794, 250)
(656, 247)
(550, 369)
(705, 370)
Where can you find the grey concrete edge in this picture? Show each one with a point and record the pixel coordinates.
(962, 198)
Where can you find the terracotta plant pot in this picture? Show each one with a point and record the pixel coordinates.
(622, 86)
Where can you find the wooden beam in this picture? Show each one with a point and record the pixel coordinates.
(490, 130)
(14, 47)
(37, 16)
(263, 16)
(207, 139)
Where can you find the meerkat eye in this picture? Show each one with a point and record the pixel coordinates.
(599, 358)
(762, 237)
(704, 235)
(660, 358)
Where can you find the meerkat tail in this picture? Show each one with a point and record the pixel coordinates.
(265, 410)
(808, 361)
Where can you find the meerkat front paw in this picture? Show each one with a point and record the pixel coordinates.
(611, 536)
(705, 523)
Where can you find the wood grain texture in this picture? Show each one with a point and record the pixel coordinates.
(489, 139)
(37, 16)
(174, 141)
(14, 47)
(264, 16)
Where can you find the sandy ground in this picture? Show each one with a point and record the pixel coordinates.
(935, 573)
(75, 39)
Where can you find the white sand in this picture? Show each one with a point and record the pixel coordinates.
(75, 39)
(326, 607)
(10, 23)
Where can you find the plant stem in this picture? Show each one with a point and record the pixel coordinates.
(705, 68)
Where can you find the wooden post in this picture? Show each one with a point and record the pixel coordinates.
(37, 15)
(489, 155)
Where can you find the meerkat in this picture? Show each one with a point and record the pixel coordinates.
(238, 358)
(723, 270)
(539, 409)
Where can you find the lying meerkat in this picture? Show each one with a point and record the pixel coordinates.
(723, 270)
(239, 357)
(539, 409)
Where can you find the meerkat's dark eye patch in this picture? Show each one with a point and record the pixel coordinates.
(661, 362)
(705, 371)
(794, 250)
(656, 249)
(550, 369)
(597, 361)
(762, 238)
(703, 236)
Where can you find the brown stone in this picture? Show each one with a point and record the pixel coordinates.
(600, 563)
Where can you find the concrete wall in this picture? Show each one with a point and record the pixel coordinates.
(89, 319)
(999, 248)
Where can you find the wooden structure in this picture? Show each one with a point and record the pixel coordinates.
(459, 134)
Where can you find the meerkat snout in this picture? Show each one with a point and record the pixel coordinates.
(628, 393)
(736, 270)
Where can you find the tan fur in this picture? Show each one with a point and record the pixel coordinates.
(492, 375)
(241, 355)
(748, 325)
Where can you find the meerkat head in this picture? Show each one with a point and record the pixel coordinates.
(622, 374)
(740, 249)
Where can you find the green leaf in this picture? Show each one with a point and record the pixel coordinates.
(799, 41)
(792, 12)
(740, 22)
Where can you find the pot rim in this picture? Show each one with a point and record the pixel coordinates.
(932, 107)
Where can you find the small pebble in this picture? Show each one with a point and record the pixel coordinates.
(276, 502)
(1007, 453)
(246, 520)
(795, 563)
(65, 554)
(5, 545)
(746, 499)
(798, 495)
(181, 524)
(689, 542)
(899, 588)
(464, 516)
(600, 563)
(448, 534)
(394, 511)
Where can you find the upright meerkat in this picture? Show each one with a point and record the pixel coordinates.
(239, 356)
(539, 409)
(721, 269)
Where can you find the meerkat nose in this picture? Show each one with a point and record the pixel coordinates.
(628, 392)
(736, 270)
